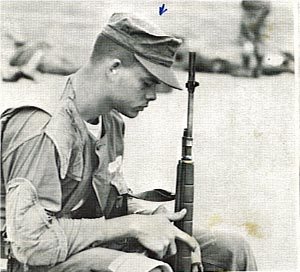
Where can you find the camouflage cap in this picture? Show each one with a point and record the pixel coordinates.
(152, 48)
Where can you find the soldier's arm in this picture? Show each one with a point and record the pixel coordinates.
(34, 195)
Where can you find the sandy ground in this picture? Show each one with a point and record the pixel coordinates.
(244, 129)
(244, 153)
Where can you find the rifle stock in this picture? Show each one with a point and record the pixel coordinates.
(185, 178)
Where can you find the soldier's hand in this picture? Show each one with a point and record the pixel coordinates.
(161, 209)
(158, 234)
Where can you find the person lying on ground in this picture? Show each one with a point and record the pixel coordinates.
(28, 58)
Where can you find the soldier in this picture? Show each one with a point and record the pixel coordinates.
(67, 205)
(252, 29)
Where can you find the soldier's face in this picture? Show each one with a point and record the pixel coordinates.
(134, 88)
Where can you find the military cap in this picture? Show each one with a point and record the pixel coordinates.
(154, 49)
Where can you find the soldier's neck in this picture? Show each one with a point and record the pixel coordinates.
(91, 97)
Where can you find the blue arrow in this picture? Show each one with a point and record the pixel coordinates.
(162, 9)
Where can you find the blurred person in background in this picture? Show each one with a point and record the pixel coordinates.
(24, 59)
(252, 35)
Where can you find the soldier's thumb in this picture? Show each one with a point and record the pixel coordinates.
(177, 215)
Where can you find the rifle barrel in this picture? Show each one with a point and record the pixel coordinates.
(185, 177)
(191, 84)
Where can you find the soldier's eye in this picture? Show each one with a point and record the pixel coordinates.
(147, 84)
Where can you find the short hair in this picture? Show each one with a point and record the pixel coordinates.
(107, 48)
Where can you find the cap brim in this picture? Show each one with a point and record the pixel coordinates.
(162, 73)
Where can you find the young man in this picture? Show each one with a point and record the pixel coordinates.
(66, 201)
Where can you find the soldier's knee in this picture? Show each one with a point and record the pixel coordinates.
(232, 242)
(237, 249)
(229, 251)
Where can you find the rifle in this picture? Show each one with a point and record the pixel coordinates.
(185, 180)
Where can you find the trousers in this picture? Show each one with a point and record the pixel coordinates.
(220, 252)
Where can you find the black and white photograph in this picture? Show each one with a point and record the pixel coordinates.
(149, 136)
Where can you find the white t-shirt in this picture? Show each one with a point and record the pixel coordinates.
(95, 130)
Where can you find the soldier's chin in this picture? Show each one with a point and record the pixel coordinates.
(131, 114)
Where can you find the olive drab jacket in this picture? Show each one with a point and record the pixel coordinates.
(86, 165)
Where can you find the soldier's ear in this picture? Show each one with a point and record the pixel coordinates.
(112, 70)
(114, 66)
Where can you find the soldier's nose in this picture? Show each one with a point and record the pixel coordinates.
(151, 95)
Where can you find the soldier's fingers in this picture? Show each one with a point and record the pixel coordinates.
(172, 248)
(160, 254)
(196, 255)
(161, 209)
(160, 249)
(177, 215)
(189, 240)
